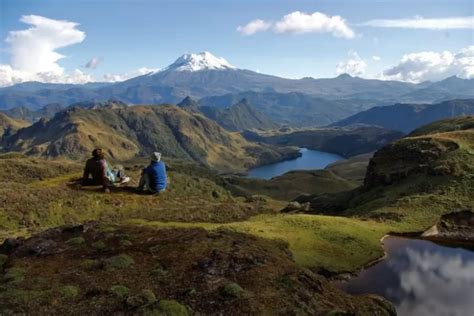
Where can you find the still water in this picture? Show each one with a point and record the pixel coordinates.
(421, 278)
(310, 159)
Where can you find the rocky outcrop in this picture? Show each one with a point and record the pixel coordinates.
(456, 227)
(409, 157)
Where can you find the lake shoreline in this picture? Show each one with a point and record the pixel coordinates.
(307, 159)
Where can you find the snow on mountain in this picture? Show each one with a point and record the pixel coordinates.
(199, 61)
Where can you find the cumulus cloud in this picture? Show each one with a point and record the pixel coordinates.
(131, 74)
(254, 27)
(436, 284)
(34, 49)
(10, 76)
(354, 66)
(300, 22)
(418, 22)
(33, 55)
(93, 63)
(376, 58)
(433, 66)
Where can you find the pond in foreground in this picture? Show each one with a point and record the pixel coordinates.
(309, 160)
(421, 278)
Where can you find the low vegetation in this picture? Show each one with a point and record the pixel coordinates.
(243, 274)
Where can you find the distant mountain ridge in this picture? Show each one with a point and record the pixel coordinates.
(204, 75)
(407, 117)
(238, 117)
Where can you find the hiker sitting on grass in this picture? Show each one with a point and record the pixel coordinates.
(153, 177)
(98, 168)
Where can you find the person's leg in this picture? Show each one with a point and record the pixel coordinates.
(144, 183)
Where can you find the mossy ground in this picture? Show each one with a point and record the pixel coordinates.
(241, 273)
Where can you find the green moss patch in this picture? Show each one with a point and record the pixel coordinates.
(69, 292)
(3, 259)
(14, 275)
(99, 245)
(172, 308)
(76, 241)
(144, 298)
(234, 290)
(119, 291)
(118, 262)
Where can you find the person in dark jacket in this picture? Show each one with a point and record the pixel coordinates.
(98, 172)
(154, 177)
(95, 171)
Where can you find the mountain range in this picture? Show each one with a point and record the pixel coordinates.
(237, 117)
(204, 75)
(406, 117)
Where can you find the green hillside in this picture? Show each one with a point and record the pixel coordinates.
(128, 132)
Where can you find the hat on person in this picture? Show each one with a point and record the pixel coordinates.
(156, 156)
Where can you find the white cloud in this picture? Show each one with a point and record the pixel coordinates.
(33, 55)
(10, 76)
(354, 66)
(128, 75)
(418, 22)
(299, 22)
(254, 27)
(34, 49)
(376, 58)
(435, 284)
(93, 63)
(433, 66)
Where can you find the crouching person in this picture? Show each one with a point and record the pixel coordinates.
(154, 177)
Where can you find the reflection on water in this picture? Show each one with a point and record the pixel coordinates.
(420, 278)
(310, 160)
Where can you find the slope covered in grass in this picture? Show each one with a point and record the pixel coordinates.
(10, 125)
(126, 133)
(415, 180)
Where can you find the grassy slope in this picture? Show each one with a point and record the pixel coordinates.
(140, 130)
(338, 244)
(11, 124)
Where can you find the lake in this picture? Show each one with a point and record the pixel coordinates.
(421, 278)
(310, 160)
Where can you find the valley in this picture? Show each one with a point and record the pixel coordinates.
(281, 193)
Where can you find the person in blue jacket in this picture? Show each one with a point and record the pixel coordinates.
(153, 177)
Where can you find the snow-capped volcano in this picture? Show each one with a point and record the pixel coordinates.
(199, 61)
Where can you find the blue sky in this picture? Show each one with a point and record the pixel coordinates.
(125, 35)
